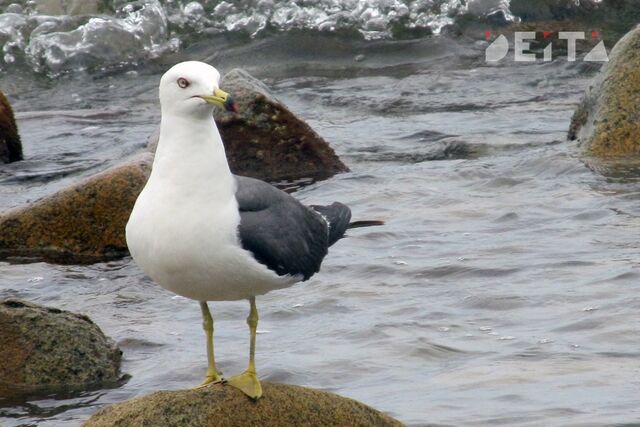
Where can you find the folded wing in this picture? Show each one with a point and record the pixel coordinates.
(281, 233)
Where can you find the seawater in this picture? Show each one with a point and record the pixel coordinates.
(503, 289)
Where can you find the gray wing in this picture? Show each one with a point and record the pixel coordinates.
(280, 232)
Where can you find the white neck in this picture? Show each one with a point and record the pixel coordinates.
(190, 155)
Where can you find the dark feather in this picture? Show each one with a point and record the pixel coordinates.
(338, 216)
(280, 232)
(365, 223)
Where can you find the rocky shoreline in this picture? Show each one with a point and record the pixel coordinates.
(85, 223)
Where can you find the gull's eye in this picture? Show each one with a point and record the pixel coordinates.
(183, 83)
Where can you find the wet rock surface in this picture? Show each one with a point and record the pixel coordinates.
(83, 223)
(218, 405)
(10, 145)
(45, 349)
(607, 120)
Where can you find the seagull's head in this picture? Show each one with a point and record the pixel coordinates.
(192, 89)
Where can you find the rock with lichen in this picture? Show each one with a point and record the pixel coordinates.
(607, 121)
(10, 145)
(225, 406)
(45, 350)
(265, 140)
(83, 223)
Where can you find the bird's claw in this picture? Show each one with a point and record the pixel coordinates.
(210, 380)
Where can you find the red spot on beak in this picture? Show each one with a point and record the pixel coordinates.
(230, 105)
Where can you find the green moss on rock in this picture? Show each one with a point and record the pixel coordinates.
(224, 406)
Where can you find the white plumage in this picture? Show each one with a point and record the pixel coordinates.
(183, 230)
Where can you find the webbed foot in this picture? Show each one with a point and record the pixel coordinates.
(248, 383)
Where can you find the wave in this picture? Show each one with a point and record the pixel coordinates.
(51, 37)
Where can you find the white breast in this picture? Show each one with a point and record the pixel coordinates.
(183, 230)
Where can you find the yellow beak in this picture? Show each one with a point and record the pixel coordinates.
(221, 99)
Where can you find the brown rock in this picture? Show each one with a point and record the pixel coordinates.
(224, 406)
(45, 349)
(265, 139)
(84, 223)
(10, 145)
(607, 121)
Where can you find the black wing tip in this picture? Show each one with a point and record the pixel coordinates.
(338, 216)
(360, 224)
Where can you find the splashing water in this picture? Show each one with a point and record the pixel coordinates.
(50, 38)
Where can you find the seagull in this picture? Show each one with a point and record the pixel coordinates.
(209, 235)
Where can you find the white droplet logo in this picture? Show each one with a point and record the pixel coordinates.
(497, 50)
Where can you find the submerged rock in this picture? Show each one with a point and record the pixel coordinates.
(218, 405)
(10, 145)
(607, 121)
(45, 349)
(265, 139)
(84, 223)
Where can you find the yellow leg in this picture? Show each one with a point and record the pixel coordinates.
(248, 381)
(213, 375)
